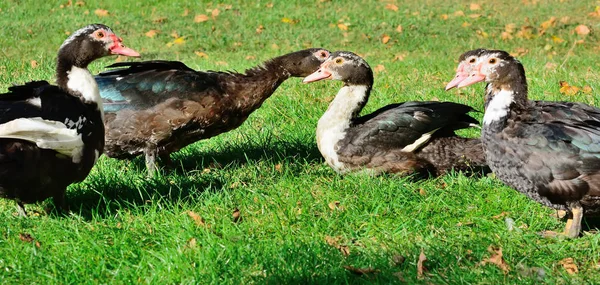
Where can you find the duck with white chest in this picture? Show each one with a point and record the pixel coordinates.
(549, 151)
(404, 138)
(51, 136)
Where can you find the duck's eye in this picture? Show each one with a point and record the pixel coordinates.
(492, 61)
(472, 60)
(100, 34)
(339, 61)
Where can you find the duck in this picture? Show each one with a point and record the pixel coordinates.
(404, 138)
(52, 135)
(157, 107)
(549, 151)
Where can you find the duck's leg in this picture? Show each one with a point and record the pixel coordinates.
(151, 167)
(165, 158)
(573, 227)
(60, 202)
(21, 209)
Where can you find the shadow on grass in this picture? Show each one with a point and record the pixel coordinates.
(111, 191)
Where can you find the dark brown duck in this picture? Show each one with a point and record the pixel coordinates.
(159, 107)
(549, 151)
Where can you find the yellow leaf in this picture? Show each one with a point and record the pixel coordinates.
(506, 36)
(459, 13)
(151, 33)
(269, 5)
(474, 16)
(201, 54)
(557, 39)
(399, 57)
(200, 18)
(185, 13)
(596, 13)
(474, 7)
(250, 57)
(582, 30)
(567, 89)
(385, 39)
(101, 12)
(465, 24)
(274, 46)
(197, 218)
(288, 21)
(444, 17)
(342, 27)
(551, 65)
(159, 20)
(34, 64)
(215, 12)
(391, 7)
(496, 259)
(179, 41)
(586, 89)
(399, 29)
(547, 24)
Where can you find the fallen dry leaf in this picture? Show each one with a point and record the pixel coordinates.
(444, 17)
(151, 33)
(26, 237)
(496, 259)
(399, 29)
(391, 7)
(385, 39)
(582, 30)
(519, 52)
(185, 13)
(101, 12)
(200, 18)
(236, 216)
(274, 46)
(398, 259)
(250, 57)
(201, 54)
(269, 5)
(197, 218)
(501, 215)
(159, 20)
(586, 89)
(192, 243)
(379, 68)
(567, 89)
(260, 29)
(399, 57)
(342, 27)
(569, 265)
(547, 24)
(551, 65)
(422, 192)
(526, 32)
(360, 271)
(278, 167)
(215, 12)
(33, 64)
(459, 13)
(333, 205)
(474, 7)
(596, 13)
(420, 266)
(335, 242)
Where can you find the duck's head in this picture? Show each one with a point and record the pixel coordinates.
(344, 66)
(92, 42)
(497, 67)
(303, 62)
(466, 62)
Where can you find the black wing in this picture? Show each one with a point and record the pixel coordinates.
(141, 85)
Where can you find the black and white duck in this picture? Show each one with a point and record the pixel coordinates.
(159, 107)
(549, 151)
(404, 138)
(51, 136)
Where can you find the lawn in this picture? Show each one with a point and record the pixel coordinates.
(258, 204)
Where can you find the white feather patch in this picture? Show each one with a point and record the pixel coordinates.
(333, 124)
(82, 81)
(498, 107)
(45, 134)
(419, 142)
(35, 102)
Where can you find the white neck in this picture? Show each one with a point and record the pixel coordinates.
(498, 107)
(333, 124)
(82, 81)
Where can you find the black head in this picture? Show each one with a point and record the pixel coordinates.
(90, 43)
(466, 63)
(346, 67)
(304, 62)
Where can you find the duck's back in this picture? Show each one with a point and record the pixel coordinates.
(550, 152)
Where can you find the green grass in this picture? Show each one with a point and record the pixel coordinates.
(128, 229)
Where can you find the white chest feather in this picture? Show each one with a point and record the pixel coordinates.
(82, 81)
(45, 134)
(333, 124)
(498, 107)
